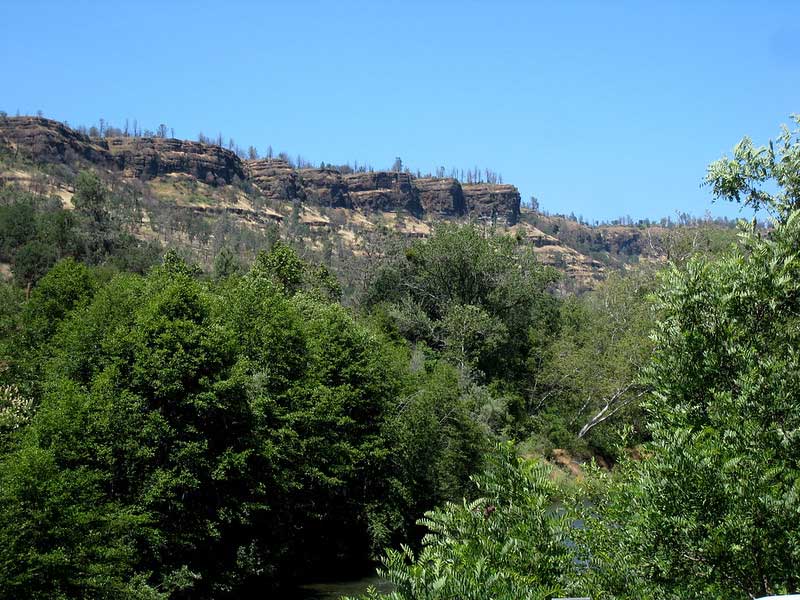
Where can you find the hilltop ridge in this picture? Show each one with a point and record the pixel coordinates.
(151, 157)
(202, 197)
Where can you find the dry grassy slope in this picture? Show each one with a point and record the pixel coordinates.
(199, 195)
(350, 228)
(353, 227)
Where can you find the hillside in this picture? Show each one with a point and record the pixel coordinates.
(202, 197)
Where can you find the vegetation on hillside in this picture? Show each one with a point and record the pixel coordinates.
(708, 506)
(170, 431)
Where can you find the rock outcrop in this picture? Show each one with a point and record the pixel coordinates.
(150, 157)
(493, 201)
(383, 191)
(443, 197)
(276, 178)
(46, 140)
(325, 187)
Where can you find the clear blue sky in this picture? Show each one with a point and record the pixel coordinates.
(601, 108)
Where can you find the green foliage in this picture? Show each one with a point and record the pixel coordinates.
(440, 440)
(67, 285)
(36, 232)
(724, 469)
(284, 267)
(480, 302)
(590, 376)
(711, 510)
(510, 542)
(226, 264)
(750, 176)
(90, 198)
(195, 438)
(169, 435)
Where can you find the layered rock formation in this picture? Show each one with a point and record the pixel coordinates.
(146, 158)
(276, 178)
(325, 187)
(493, 201)
(49, 141)
(383, 191)
(46, 140)
(443, 196)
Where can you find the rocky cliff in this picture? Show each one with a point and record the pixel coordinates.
(386, 191)
(147, 157)
(46, 140)
(275, 178)
(493, 201)
(325, 187)
(443, 196)
(383, 191)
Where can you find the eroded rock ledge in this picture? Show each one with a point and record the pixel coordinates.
(46, 140)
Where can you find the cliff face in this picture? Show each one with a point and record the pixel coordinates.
(49, 141)
(441, 196)
(147, 158)
(325, 187)
(275, 178)
(152, 157)
(46, 140)
(383, 191)
(496, 201)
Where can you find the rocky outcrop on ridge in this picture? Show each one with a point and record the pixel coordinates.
(46, 140)
(149, 157)
(493, 201)
(441, 196)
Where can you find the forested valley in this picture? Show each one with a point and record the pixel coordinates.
(438, 405)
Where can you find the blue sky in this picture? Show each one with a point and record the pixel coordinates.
(598, 108)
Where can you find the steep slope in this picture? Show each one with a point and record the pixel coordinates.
(201, 196)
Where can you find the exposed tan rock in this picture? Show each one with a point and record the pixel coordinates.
(151, 157)
(276, 178)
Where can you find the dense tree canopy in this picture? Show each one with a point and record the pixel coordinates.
(196, 436)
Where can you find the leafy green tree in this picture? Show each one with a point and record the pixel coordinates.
(92, 204)
(284, 267)
(226, 264)
(32, 261)
(483, 299)
(440, 441)
(17, 227)
(90, 198)
(63, 536)
(67, 285)
(761, 177)
(711, 510)
(507, 543)
(176, 436)
(591, 375)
